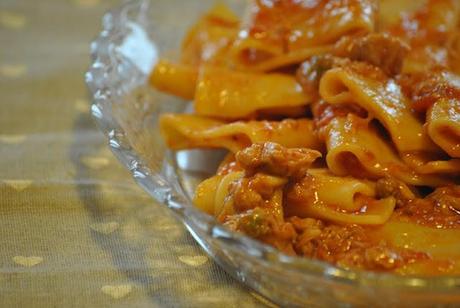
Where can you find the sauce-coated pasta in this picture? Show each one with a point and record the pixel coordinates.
(342, 122)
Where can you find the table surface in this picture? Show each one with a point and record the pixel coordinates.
(75, 230)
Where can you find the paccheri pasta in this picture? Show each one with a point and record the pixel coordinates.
(342, 125)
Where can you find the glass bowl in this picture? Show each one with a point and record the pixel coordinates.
(127, 111)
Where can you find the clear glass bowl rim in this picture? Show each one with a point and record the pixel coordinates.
(113, 22)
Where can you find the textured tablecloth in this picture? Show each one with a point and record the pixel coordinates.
(75, 230)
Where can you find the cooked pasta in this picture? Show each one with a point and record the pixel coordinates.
(228, 94)
(443, 120)
(428, 31)
(342, 125)
(368, 87)
(352, 195)
(287, 32)
(210, 38)
(355, 148)
(179, 80)
(183, 131)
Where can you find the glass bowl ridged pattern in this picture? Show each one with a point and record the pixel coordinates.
(127, 111)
